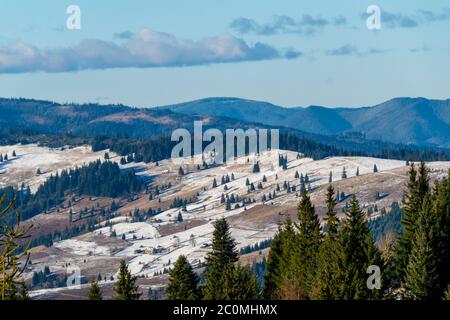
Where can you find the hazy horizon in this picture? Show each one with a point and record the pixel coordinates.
(61, 102)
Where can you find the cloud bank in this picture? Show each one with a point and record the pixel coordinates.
(399, 20)
(143, 49)
(284, 24)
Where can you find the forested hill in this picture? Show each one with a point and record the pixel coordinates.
(95, 120)
(146, 132)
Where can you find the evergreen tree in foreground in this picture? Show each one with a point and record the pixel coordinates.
(183, 282)
(348, 250)
(223, 255)
(279, 265)
(441, 206)
(417, 189)
(331, 218)
(272, 275)
(281, 282)
(328, 279)
(240, 284)
(223, 280)
(308, 242)
(422, 277)
(426, 275)
(358, 253)
(95, 293)
(12, 263)
(125, 287)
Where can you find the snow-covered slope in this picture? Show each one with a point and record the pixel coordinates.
(152, 246)
(23, 167)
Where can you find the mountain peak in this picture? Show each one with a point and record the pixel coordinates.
(406, 100)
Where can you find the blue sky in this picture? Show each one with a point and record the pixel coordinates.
(289, 52)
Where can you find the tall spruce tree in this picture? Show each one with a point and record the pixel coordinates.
(417, 189)
(240, 284)
(331, 218)
(223, 255)
(125, 287)
(183, 283)
(308, 242)
(95, 293)
(288, 286)
(441, 206)
(358, 253)
(279, 267)
(272, 275)
(421, 276)
(423, 180)
(328, 279)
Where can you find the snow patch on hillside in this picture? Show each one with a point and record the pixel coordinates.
(29, 158)
(82, 248)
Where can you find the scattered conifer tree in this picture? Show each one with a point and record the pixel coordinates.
(308, 241)
(183, 283)
(421, 276)
(125, 287)
(222, 256)
(413, 203)
(358, 253)
(328, 280)
(95, 293)
(344, 173)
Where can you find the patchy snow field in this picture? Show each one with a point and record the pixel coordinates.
(138, 230)
(29, 158)
(82, 248)
(150, 251)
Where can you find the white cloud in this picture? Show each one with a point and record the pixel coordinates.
(143, 49)
(283, 24)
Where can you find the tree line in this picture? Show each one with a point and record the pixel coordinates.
(159, 148)
(95, 179)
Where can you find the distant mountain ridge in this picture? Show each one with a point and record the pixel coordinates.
(94, 120)
(19, 117)
(415, 121)
(119, 121)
